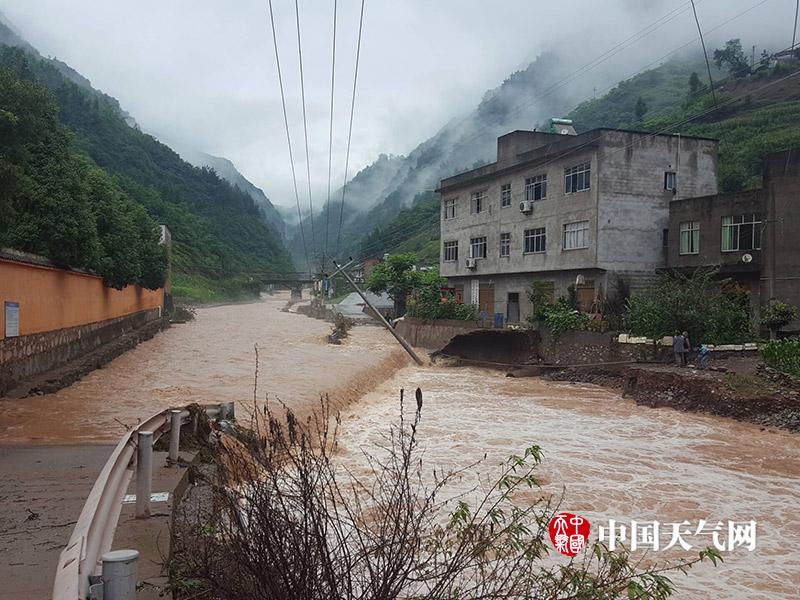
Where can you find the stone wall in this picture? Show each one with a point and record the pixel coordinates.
(30, 355)
(589, 347)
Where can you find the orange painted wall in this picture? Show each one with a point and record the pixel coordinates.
(52, 298)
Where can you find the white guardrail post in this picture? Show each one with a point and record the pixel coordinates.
(144, 473)
(119, 575)
(87, 554)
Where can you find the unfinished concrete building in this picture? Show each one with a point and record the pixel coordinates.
(752, 236)
(567, 209)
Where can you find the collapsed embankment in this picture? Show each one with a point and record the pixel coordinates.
(641, 371)
(762, 404)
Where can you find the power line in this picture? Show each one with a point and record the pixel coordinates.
(288, 136)
(305, 126)
(330, 137)
(705, 53)
(794, 31)
(350, 129)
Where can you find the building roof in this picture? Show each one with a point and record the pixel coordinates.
(563, 146)
(353, 305)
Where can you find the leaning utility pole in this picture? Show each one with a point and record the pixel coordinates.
(386, 323)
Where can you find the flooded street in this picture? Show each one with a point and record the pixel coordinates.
(617, 461)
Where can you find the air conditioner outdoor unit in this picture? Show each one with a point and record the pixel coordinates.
(526, 206)
(471, 263)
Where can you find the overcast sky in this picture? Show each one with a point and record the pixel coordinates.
(202, 72)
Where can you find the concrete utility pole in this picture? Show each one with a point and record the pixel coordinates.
(386, 323)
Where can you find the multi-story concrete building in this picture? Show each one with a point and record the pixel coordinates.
(567, 209)
(751, 236)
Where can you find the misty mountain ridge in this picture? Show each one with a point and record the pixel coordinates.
(526, 98)
(224, 167)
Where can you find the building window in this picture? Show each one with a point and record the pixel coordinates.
(479, 202)
(505, 244)
(670, 183)
(450, 208)
(535, 240)
(690, 237)
(741, 232)
(576, 235)
(477, 247)
(451, 251)
(576, 178)
(505, 195)
(536, 188)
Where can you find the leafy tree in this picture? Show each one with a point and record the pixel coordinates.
(695, 303)
(732, 58)
(641, 108)
(59, 203)
(778, 315)
(397, 277)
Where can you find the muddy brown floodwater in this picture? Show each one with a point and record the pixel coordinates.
(617, 460)
(210, 360)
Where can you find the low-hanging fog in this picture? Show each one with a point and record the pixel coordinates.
(202, 75)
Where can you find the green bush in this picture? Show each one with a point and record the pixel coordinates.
(783, 355)
(560, 317)
(777, 315)
(430, 302)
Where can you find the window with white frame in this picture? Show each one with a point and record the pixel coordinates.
(741, 232)
(670, 180)
(576, 235)
(535, 240)
(536, 188)
(450, 251)
(477, 247)
(505, 195)
(577, 178)
(450, 208)
(479, 202)
(505, 244)
(690, 237)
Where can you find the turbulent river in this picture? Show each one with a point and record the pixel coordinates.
(616, 460)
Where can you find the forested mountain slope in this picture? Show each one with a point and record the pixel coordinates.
(220, 239)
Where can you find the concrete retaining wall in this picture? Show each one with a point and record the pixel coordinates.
(432, 335)
(27, 356)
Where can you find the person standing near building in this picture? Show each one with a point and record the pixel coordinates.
(678, 347)
(687, 347)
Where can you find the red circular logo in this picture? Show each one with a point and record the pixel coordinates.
(569, 533)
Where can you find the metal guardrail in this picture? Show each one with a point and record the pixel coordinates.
(94, 530)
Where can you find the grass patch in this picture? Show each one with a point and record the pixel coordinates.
(196, 289)
(751, 386)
